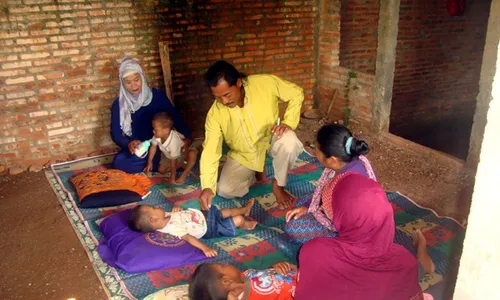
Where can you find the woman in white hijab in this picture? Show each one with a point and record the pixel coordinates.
(131, 116)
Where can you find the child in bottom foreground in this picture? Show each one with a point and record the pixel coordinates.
(217, 282)
(192, 224)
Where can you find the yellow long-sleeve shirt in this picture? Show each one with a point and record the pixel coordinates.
(247, 130)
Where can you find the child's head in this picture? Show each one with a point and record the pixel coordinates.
(162, 124)
(145, 218)
(213, 281)
(335, 146)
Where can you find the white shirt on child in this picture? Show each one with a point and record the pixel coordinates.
(190, 221)
(172, 147)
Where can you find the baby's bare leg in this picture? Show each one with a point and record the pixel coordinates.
(239, 211)
(191, 160)
(164, 165)
(240, 222)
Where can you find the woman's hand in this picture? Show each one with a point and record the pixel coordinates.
(296, 213)
(149, 167)
(133, 145)
(283, 268)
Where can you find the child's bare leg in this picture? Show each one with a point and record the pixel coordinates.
(423, 257)
(164, 166)
(191, 160)
(240, 222)
(239, 211)
(173, 169)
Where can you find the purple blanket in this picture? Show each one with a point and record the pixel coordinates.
(136, 252)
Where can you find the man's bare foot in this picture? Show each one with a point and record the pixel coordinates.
(284, 199)
(420, 243)
(248, 207)
(260, 177)
(249, 225)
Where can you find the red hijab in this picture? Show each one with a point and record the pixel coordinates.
(362, 262)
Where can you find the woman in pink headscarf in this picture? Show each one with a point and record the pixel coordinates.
(362, 262)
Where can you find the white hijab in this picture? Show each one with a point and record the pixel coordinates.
(129, 103)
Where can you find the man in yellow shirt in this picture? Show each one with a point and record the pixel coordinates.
(245, 116)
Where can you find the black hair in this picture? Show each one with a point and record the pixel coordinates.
(332, 140)
(138, 220)
(206, 284)
(222, 70)
(164, 118)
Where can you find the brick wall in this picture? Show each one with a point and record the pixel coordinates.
(438, 62)
(328, 50)
(332, 76)
(256, 36)
(59, 75)
(360, 96)
(59, 61)
(358, 31)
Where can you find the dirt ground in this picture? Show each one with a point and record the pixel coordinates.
(41, 256)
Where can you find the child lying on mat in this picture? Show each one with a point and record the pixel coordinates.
(216, 281)
(192, 224)
(174, 146)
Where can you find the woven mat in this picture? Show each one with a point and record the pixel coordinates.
(256, 249)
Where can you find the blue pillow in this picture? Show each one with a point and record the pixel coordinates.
(136, 252)
(109, 198)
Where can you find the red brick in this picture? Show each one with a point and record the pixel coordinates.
(47, 97)
(266, 34)
(275, 51)
(25, 9)
(50, 76)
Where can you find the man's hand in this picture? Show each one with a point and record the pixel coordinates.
(278, 130)
(283, 268)
(209, 252)
(133, 145)
(176, 208)
(206, 197)
(295, 213)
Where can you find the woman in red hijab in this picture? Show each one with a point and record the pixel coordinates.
(362, 262)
